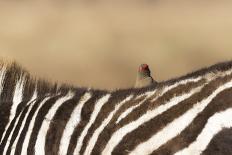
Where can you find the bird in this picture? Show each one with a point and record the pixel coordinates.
(144, 77)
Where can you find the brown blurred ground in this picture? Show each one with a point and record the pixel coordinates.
(100, 44)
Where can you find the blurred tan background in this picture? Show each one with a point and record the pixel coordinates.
(100, 43)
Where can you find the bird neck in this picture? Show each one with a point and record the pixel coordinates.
(142, 75)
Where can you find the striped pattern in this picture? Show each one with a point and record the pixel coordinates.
(190, 115)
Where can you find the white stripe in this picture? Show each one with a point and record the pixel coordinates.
(35, 95)
(31, 126)
(129, 110)
(93, 117)
(71, 125)
(18, 96)
(20, 130)
(142, 95)
(215, 124)
(178, 125)
(2, 77)
(97, 132)
(31, 102)
(118, 135)
(41, 138)
(17, 99)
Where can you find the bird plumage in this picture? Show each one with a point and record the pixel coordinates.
(144, 77)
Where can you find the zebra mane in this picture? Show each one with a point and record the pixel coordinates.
(14, 71)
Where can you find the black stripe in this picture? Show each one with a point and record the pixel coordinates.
(220, 144)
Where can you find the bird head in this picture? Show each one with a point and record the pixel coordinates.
(144, 70)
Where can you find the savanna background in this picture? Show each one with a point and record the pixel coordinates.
(100, 43)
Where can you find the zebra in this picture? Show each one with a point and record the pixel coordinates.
(188, 115)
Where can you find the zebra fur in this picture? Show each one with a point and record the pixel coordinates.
(187, 115)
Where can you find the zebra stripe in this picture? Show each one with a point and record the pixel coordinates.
(2, 77)
(18, 96)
